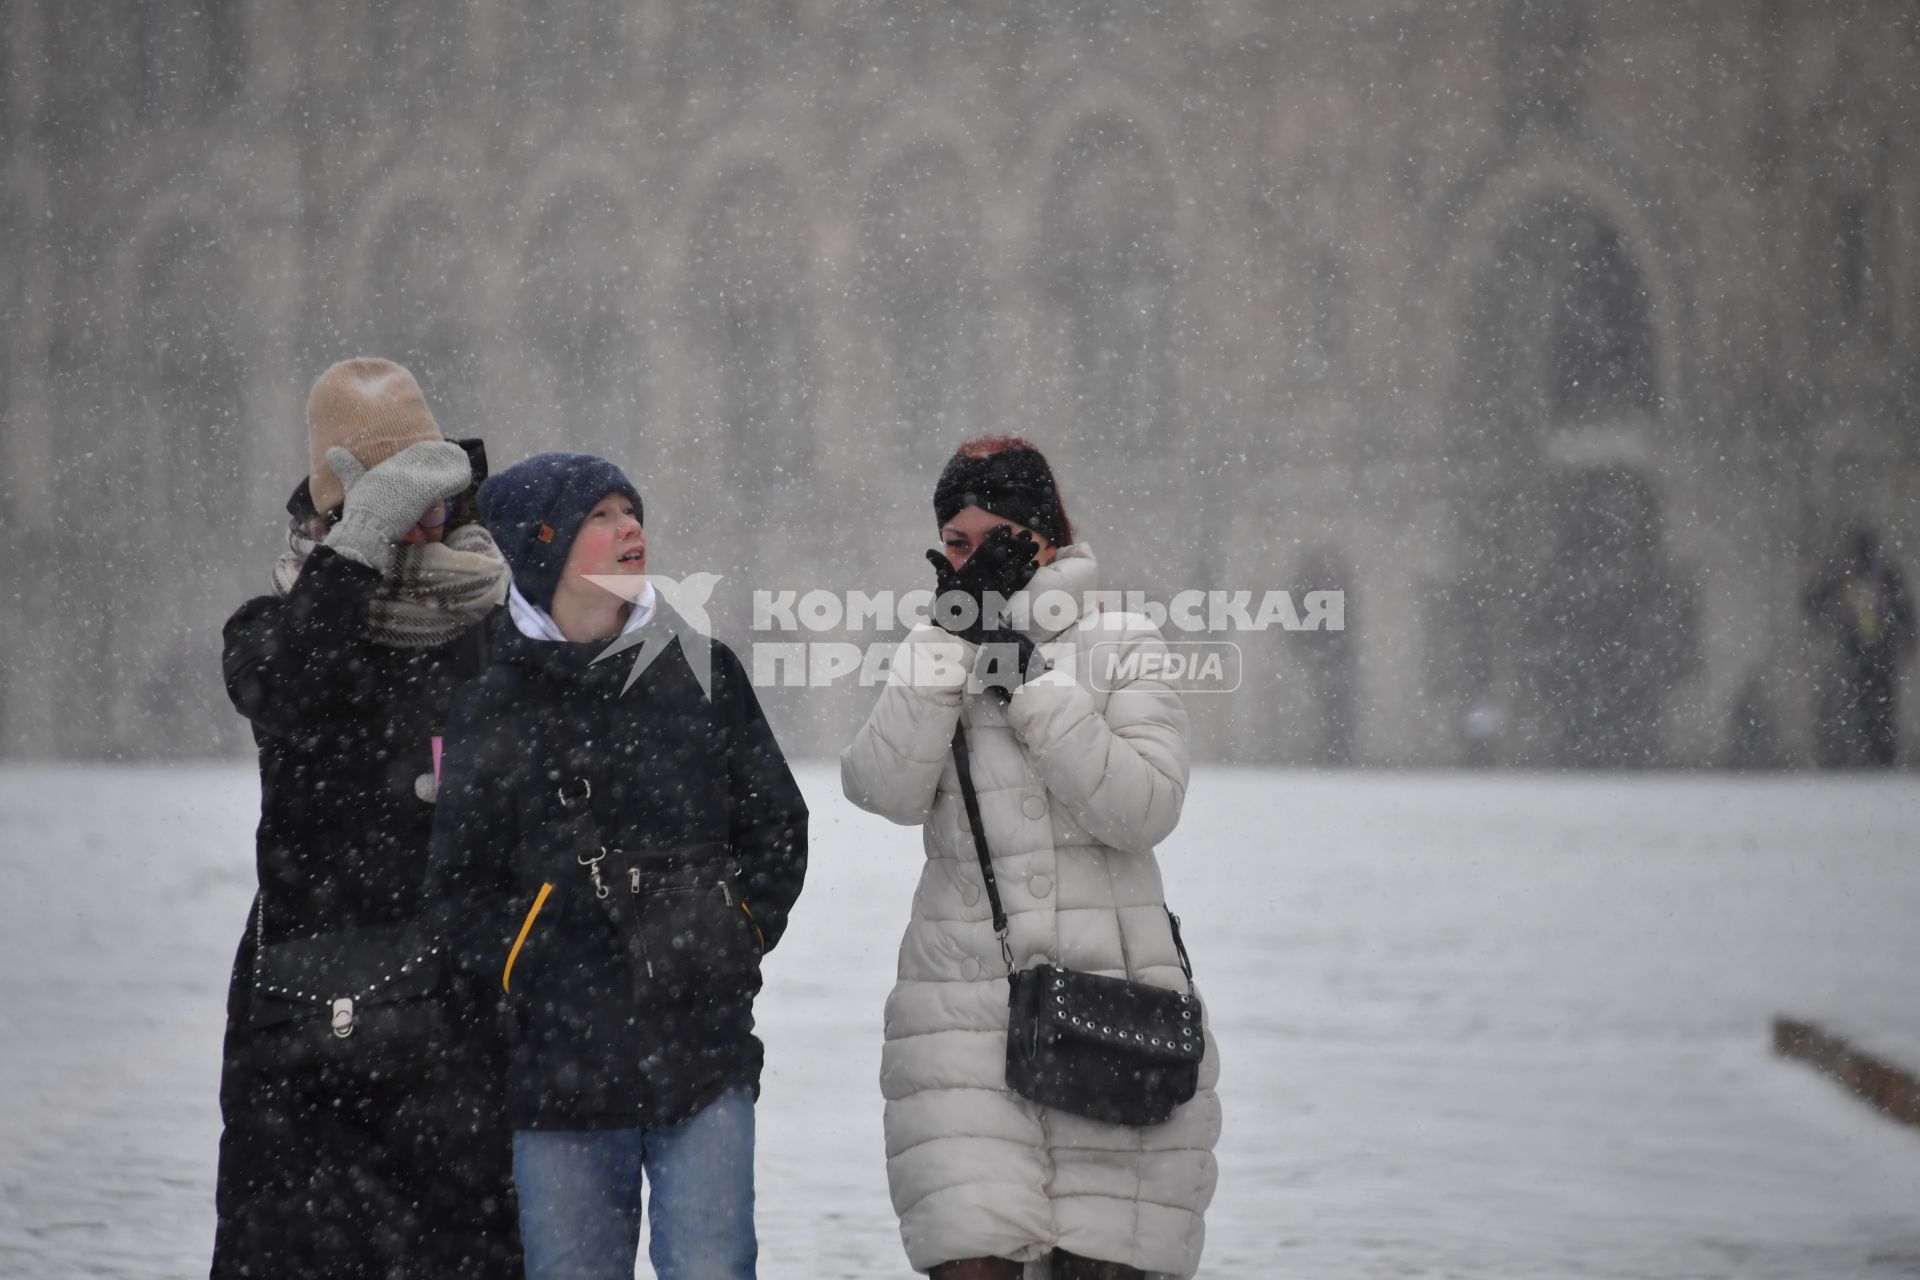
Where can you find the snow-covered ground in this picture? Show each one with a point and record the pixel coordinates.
(1485, 1026)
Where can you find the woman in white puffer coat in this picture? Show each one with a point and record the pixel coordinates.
(1076, 784)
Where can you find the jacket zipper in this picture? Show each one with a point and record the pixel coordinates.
(633, 883)
(526, 927)
(727, 893)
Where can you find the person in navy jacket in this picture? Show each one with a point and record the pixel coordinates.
(614, 853)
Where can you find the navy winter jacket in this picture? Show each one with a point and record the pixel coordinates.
(699, 815)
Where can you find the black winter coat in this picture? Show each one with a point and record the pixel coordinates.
(412, 1177)
(600, 1039)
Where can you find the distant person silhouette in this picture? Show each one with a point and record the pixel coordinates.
(1861, 599)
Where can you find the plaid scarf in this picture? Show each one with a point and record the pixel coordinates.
(433, 592)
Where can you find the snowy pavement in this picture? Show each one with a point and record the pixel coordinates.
(1488, 1026)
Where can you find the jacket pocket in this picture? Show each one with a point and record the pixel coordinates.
(688, 937)
(759, 938)
(526, 928)
(701, 942)
(740, 917)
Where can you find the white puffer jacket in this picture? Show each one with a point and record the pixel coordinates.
(1076, 786)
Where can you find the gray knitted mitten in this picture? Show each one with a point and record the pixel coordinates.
(384, 503)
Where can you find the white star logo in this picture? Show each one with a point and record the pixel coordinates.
(683, 615)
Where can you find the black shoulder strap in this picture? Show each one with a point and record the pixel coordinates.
(571, 789)
(972, 800)
(583, 836)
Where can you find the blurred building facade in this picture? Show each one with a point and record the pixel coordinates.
(1562, 335)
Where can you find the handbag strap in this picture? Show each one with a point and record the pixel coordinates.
(574, 793)
(1186, 965)
(972, 800)
(583, 837)
(259, 934)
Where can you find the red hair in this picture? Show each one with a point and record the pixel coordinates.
(986, 446)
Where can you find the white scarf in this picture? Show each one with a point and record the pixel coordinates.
(536, 623)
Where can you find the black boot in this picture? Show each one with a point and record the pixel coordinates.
(1071, 1266)
(976, 1269)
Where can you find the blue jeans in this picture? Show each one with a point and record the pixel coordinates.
(580, 1197)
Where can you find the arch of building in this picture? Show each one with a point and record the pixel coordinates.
(581, 256)
(421, 287)
(178, 444)
(1337, 175)
(1573, 626)
(923, 301)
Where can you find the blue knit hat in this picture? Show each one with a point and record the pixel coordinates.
(534, 509)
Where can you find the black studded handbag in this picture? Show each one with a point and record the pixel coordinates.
(355, 1006)
(1106, 1048)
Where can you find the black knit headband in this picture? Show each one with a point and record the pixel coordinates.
(1015, 484)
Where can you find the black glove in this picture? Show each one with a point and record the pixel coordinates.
(1002, 564)
(1013, 654)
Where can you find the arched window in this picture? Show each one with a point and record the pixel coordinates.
(1854, 230)
(9, 72)
(417, 303)
(726, 44)
(922, 291)
(190, 380)
(1109, 24)
(600, 34)
(1321, 315)
(413, 50)
(92, 59)
(11, 429)
(1576, 609)
(222, 38)
(754, 326)
(1853, 212)
(1107, 269)
(192, 56)
(1545, 49)
(1850, 270)
(569, 43)
(1602, 343)
(576, 308)
(1560, 324)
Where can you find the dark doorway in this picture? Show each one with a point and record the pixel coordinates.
(1579, 624)
(1610, 632)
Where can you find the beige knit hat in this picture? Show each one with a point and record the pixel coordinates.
(373, 409)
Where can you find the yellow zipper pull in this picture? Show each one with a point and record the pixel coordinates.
(526, 927)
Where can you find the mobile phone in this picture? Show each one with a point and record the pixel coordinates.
(464, 509)
(477, 456)
(300, 505)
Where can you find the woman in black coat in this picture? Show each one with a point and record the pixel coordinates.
(618, 842)
(346, 672)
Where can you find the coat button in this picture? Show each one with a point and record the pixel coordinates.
(1041, 886)
(970, 968)
(1034, 807)
(969, 893)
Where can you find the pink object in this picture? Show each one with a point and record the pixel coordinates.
(436, 759)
